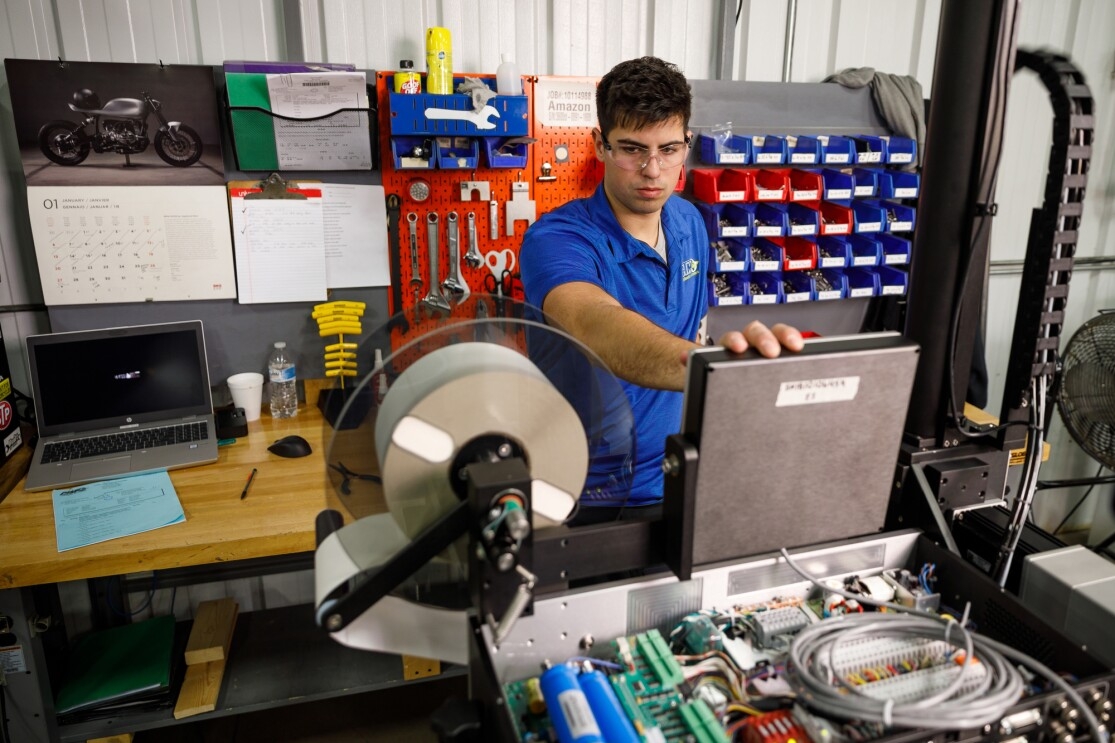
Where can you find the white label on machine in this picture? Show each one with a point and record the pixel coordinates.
(810, 391)
(11, 659)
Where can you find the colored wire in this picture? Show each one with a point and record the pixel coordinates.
(983, 704)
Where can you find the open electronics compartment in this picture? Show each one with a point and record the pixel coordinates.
(559, 629)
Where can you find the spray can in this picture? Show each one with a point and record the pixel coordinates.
(439, 61)
(406, 79)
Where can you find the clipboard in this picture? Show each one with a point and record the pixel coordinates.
(278, 240)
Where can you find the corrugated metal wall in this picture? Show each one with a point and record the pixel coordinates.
(586, 37)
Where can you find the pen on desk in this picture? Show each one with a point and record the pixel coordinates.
(248, 484)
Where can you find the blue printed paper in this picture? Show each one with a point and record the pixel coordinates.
(108, 509)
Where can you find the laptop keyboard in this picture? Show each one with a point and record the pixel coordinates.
(114, 443)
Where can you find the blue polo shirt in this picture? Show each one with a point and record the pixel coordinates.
(582, 241)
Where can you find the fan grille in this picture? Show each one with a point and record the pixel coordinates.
(1087, 396)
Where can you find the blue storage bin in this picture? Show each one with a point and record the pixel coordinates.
(867, 183)
(892, 281)
(866, 250)
(738, 220)
(804, 150)
(896, 250)
(733, 150)
(868, 217)
(862, 282)
(500, 154)
(833, 252)
(768, 149)
(828, 284)
(409, 114)
(457, 153)
(901, 150)
(735, 286)
(899, 217)
(797, 287)
(870, 150)
(729, 255)
(764, 288)
(766, 256)
(837, 150)
(800, 220)
(404, 153)
(768, 220)
(894, 184)
(838, 186)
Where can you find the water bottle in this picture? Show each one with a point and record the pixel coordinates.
(284, 395)
(508, 81)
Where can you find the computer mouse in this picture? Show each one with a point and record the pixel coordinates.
(291, 446)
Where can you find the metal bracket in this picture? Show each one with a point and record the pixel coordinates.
(482, 189)
(521, 206)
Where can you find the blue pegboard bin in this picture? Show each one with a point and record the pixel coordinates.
(829, 284)
(766, 256)
(862, 282)
(833, 252)
(803, 150)
(739, 220)
(901, 150)
(896, 250)
(408, 115)
(837, 185)
(740, 251)
(892, 281)
(894, 184)
(868, 217)
(768, 149)
(900, 218)
(733, 150)
(769, 286)
(867, 250)
(837, 150)
(457, 153)
(870, 150)
(867, 183)
(499, 154)
(797, 287)
(768, 220)
(402, 153)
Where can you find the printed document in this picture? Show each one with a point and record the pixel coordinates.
(104, 510)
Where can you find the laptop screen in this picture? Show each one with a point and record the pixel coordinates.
(93, 379)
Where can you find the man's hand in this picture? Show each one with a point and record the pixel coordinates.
(767, 341)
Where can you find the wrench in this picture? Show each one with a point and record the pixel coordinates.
(480, 119)
(433, 301)
(454, 287)
(415, 279)
(473, 257)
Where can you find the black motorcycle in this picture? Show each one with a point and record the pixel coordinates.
(119, 126)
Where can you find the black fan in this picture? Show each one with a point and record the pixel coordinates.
(1087, 394)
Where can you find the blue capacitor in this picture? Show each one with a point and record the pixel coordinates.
(570, 713)
(605, 706)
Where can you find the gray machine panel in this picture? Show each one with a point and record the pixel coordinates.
(812, 437)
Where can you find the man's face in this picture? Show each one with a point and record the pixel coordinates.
(640, 190)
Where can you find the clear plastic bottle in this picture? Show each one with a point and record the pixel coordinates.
(284, 393)
(508, 81)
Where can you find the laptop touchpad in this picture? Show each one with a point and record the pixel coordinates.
(104, 468)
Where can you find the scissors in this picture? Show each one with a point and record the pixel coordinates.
(499, 288)
(500, 262)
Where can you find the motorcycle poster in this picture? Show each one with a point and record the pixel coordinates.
(116, 124)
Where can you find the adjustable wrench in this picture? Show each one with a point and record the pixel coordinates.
(433, 301)
(473, 257)
(454, 287)
(415, 279)
(481, 119)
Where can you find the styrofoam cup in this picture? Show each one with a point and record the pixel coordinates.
(247, 393)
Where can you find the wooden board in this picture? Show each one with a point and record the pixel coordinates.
(212, 631)
(200, 689)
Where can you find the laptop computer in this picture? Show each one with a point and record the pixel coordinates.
(118, 401)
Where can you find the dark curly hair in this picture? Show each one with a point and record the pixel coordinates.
(641, 92)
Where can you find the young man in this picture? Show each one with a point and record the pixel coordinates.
(623, 271)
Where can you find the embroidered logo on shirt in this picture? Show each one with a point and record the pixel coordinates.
(689, 269)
